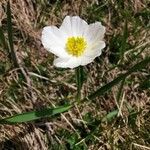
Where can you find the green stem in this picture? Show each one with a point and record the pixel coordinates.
(78, 83)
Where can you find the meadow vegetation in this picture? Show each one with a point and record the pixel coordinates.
(114, 112)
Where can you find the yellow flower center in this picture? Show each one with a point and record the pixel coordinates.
(75, 46)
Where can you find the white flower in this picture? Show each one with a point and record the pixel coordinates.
(75, 43)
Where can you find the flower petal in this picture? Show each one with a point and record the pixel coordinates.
(54, 41)
(86, 60)
(95, 49)
(94, 36)
(74, 26)
(94, 32)
(67, 63)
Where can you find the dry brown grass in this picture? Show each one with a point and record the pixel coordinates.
(45, 85)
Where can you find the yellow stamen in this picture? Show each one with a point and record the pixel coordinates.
(75, 46)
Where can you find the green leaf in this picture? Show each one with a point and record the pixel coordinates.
(34, 115)
(110, 115)
(108, 86)
(10, 35)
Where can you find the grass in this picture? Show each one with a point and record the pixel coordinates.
(114, 113)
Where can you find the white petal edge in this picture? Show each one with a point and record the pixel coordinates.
(95, 49)
(67, 63)
(95, 32)
(86, 60)
(54, 41)
(74, 26)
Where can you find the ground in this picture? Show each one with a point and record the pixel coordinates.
(33, 83)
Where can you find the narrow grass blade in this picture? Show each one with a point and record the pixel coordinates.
(139, 66)
(110, 115)
(108, 86)
(113, 114)
(10, 35)
(124, 40)
(120, 90)
(34, 115)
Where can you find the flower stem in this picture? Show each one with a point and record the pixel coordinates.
(78, 73)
